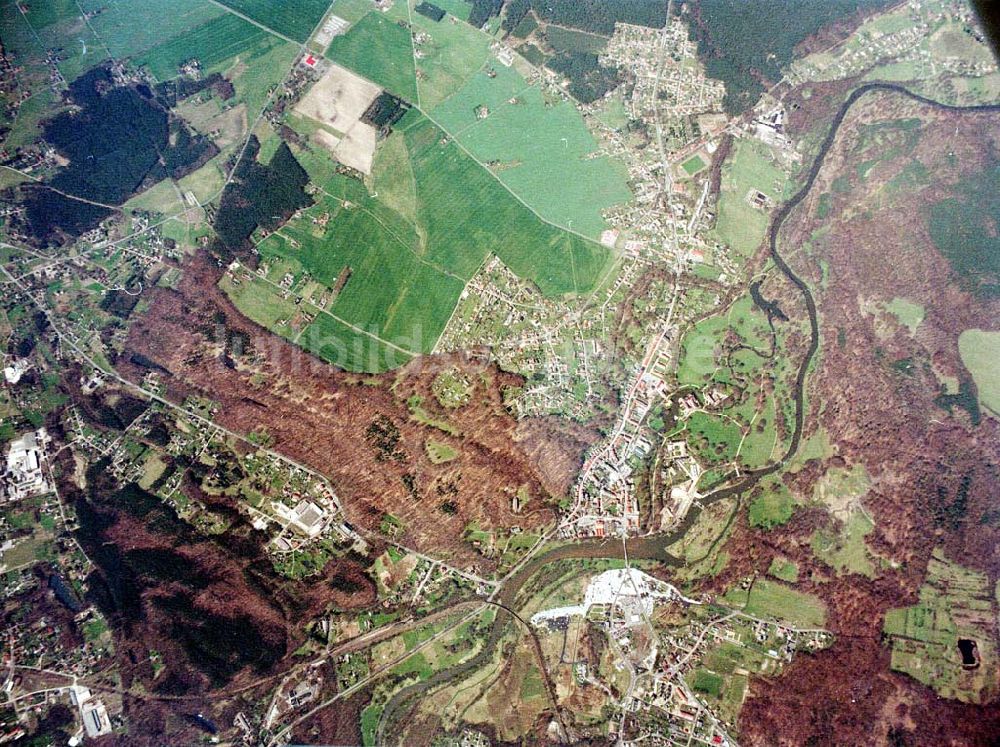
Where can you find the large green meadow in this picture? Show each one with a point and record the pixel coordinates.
(538, 148)
(213, 42)
(26, 37)
(431, 219)
(162, 34)
(391, 291)
(771, 599)
(129, 29)
(379, 49)
(740, 225)
(980, 351)
(544, 154)
(466, 214)
(411, 243)
(453, 53)
(294, 18)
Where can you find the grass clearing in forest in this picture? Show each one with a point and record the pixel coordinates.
(980, 351)
(846, 551)
(909, 313)
(784, 570)
(771, 599)
(774, 508)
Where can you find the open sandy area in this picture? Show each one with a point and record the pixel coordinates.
(337, 101)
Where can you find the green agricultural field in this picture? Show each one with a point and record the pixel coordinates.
(392, 290)
(611, 111)
(739, 225)
(205, 183)
(10, 178)
(532, 685)
(80, 48)
(564, 39)
(40, 15)
(416, 664)
(30, 115)
(379, 49)
(21, 43)
(539, 149)
(128, 29)
(348, 348)
(250, 57)
(407, 253)
(551, 170)
(25, 551)
(698, 362)
(258, 301)
(466, 214)
(954, 604)
(771, 599)
(256, 69)
(162, 198)
(392, 177)
(183, 233)
(217, 40)
(458, 8)
(532, 54)
(980, 351)
(293, 18)
(953, 40)
(453, 54)
(459, 111)
(351, 11)
(46, 25)
(817, 446)
(393, 306)
(760, 441)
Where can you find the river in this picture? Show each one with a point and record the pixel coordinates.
(654, 546)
